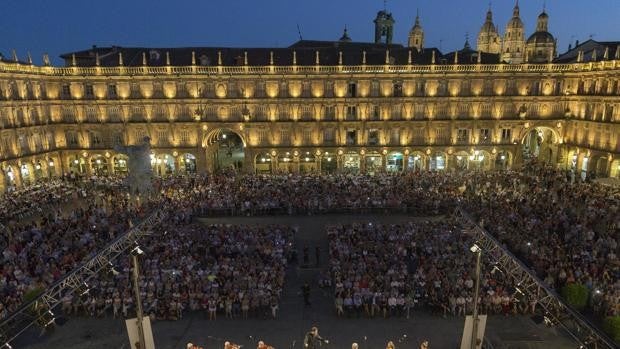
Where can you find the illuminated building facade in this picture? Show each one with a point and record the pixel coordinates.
(328, 106)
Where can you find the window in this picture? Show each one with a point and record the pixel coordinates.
(114, 114)
(330, 112)
(351, 137)
(89, 92)
(117, 138)
(307, 136)
(506, 135)
(71, 138)
(139, 135)
(262, 136)
(112, 93)
(95, 138)
(442, 136)
(91, 114)
(352, 89)
(328, 135)
(418, 136)
(285, 137)
(66, 91)
(395, 136)
(67, 114)
(376, 113)
(162, 137)
(485, 135)
(23, 143)
(373, 137)
(307, 112)
(398, 89)
(351, 112)
(462, 135)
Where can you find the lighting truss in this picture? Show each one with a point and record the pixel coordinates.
(560, 313)
(30, 314)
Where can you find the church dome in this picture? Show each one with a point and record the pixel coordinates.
(540, 38)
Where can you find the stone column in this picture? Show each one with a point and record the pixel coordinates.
(383, 163)
(203, 165)
(274, 163)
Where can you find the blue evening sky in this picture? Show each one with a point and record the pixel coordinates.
(62, 26)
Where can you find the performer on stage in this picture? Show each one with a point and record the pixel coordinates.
(312, 340)
(229, 345)
(424, 345)
(262, 345)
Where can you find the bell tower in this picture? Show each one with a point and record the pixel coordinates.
(416, 35)
(384, 27)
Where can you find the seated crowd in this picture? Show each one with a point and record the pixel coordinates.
(26, 201)
(237, 271)
(394, 269)
(566, 232)
(39, 252)
(262, 194)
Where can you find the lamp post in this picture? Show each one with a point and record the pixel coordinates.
(474, 332)
(136, 287)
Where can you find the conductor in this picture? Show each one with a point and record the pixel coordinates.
(313, 340)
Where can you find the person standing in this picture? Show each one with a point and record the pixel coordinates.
(312, 340)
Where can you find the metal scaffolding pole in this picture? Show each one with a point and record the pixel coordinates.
(24, 317)
(583, 332)
(474, 328)
(136, 288)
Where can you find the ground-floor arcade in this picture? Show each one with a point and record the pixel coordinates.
(367, 160)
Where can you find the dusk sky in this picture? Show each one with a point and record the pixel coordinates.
(62, 26)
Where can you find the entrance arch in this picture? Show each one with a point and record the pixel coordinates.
(395, 162)
(162, 164)
(9, 178)
(285, 163)
(225, 149)
(416, 161)
(307, 163)
(188, 163)
(438, 161)
(540, 142)
(120, 164)
(462, 160)
(263, 163)
(373, 162)
(99, 164)
(351, 163)
(329, 164)
(503, 160)
(615, 169)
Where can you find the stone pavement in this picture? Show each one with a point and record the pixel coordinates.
(287, 331)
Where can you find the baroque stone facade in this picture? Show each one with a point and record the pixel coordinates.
(314, 106)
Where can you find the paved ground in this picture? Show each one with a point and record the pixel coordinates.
(286, 332)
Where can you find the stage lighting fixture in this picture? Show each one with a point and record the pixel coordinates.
(137, 251)
(475, 248)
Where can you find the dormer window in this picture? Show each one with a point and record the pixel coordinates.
(154, 55)
(204, 60)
